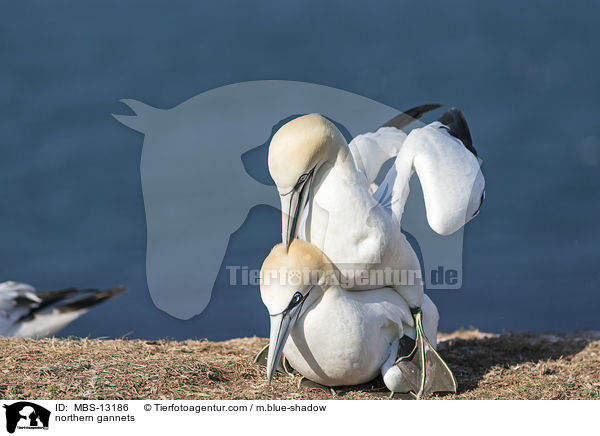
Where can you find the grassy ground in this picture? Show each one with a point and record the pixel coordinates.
(509, 366)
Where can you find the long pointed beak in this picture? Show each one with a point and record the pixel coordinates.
(281, 326)
(292, 205)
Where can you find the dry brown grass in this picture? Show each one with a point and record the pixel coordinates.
(509, 366)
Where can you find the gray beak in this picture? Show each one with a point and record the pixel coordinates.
(281, 326)
(292, 206)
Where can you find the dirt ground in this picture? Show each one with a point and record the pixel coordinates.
(507, 366)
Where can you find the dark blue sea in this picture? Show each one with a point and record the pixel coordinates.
(525, 74)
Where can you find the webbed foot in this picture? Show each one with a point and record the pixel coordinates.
(423, 368)
(311, 385)
(260, 358)
(403, 395)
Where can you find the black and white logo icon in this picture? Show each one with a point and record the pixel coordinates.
(26, 415)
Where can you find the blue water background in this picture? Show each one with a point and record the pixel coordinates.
(524, 74)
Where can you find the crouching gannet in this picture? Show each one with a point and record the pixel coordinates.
(313, 167)
(25, 313)
(337, 337)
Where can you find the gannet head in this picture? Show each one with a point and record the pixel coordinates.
(291, 282)
(296, 152)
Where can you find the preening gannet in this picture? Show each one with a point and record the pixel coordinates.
(313, 166)
(333, 336)
(25, 313)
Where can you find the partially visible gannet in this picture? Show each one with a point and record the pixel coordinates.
(25, 313)
(310, 162)
(333, 336)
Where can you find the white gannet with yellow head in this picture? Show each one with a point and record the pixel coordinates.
(313, 167)
(330, 335)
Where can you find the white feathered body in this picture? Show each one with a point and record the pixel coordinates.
(360, 232)
(348, 338)
(356, 232)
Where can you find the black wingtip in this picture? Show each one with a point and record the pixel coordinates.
(64, 301)
(481, 200)
(402, 120)
(457, 125)
(93, 299)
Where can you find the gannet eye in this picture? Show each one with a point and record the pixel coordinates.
(301, 180)
(304, 177)
(296, 299)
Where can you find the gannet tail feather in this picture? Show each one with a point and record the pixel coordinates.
(456, 124)
(93, 298)
(50, 298)
(402, 120)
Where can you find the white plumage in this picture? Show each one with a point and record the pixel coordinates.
(360, 232)
(336, 337)
(449, 173)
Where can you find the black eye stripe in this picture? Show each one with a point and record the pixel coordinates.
(297, 298)
(303, 178)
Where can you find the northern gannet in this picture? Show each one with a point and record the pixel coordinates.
(313, 166)
(25, 313)
(333, 336)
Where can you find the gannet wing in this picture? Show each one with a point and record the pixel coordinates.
(24, 313)
(443, 156)
(371, 150)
